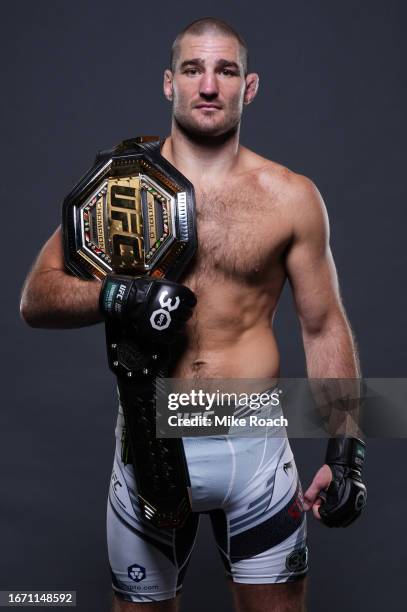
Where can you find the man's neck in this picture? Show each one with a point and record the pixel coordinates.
(201, 160)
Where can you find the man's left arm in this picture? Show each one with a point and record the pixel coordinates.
(329, 346)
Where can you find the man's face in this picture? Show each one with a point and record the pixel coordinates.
(208, 87)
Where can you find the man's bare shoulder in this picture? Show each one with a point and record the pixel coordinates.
(271, 175)
(294, 191)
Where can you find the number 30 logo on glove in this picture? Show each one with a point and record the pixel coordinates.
(161, 318)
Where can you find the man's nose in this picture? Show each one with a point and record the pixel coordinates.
(208, 86)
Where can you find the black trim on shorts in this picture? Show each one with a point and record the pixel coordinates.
(271, 532)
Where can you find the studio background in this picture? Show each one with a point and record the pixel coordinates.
(82, 76)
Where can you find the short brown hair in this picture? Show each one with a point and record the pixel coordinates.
(202, 26)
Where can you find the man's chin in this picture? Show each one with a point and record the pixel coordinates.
(207, 131)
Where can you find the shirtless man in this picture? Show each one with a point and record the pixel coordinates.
(258, 224)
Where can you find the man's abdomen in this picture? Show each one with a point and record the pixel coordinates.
(221, 354)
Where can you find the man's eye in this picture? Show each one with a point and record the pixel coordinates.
(228, 72)
(191, 71)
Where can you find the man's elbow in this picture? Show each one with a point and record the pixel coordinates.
(34, 301)
(324, 323)
(32, 306)
(28, 313)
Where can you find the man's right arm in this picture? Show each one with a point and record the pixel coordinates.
(52, 297)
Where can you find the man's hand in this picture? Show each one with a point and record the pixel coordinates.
(312, 496)
(158, 309)
(337, 494)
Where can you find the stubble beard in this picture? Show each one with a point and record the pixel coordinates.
(208, 135)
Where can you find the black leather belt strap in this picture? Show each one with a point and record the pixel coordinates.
(160, 466)
(92, 248)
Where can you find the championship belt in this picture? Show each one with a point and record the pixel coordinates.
(133, 213)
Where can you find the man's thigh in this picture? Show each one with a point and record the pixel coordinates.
(147, 564)
(169, 605)
(281, 597)
(262, 537)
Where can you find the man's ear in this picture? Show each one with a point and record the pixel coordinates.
(167, 84)
(252, 85)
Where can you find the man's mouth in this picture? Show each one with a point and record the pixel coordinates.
(208, 106)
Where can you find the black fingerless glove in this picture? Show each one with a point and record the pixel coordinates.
(346, 496)
(158, 309)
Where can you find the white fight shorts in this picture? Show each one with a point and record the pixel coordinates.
(249, 486)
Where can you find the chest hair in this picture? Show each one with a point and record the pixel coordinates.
(234, 238)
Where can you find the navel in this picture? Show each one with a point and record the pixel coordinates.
(198, 363)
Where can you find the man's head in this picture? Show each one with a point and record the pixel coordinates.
(208, 82)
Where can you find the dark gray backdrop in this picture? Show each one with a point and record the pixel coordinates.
(81, 76)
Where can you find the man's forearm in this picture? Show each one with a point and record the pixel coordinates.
(334, 372)
(55, 299)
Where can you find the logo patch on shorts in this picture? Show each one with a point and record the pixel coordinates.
(297, 560)
(287, 465)
(136, 572)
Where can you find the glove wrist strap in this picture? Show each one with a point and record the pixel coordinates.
(114, 293)
(346, 451)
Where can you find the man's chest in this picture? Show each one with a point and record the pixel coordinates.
(242, 231)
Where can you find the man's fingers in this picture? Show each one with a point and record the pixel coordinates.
(311, 494)
(315, 508)
(321, 482)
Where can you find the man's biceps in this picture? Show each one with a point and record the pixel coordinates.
(301, 265)
(314, 280)
(308, 260)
